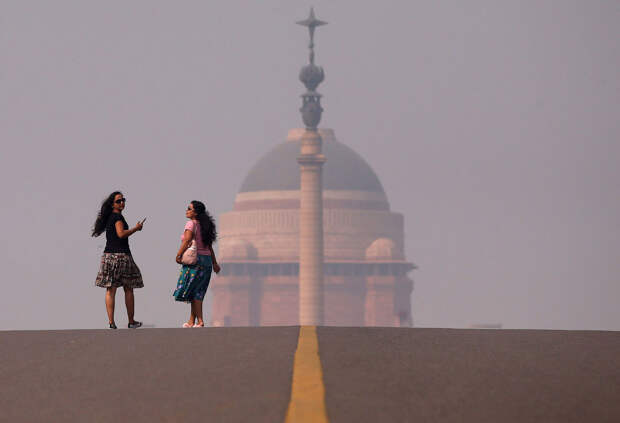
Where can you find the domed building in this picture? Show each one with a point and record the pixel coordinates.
(366, 279)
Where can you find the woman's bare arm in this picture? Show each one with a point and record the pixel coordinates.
(216, 267)
(125, 233)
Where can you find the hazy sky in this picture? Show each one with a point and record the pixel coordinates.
(493, 126)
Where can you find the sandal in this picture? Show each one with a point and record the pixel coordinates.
(187, 325)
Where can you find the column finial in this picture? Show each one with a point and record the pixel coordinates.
(311, 75)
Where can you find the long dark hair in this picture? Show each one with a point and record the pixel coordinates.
(104, 214)
(207, 224)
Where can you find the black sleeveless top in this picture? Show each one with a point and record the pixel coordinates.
(114, 244)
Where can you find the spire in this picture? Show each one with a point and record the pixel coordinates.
(311, 22)
(311, 75)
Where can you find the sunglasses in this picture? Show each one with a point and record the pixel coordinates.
(120, 200)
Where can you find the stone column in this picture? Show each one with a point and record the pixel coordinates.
(311, 190)
(311, 230)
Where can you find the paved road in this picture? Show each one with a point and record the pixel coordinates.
(147, 375)
(443, 375)
(370, 375)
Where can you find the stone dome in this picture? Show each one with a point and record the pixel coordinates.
(344, 170)
(383, 249)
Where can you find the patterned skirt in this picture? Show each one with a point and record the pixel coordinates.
(118, 269)
(194, 280)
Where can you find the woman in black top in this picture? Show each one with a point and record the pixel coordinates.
(117, 267)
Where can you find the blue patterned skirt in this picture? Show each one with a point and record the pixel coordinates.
(194, 280)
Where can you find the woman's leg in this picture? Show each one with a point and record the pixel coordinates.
(129, 303)
(192, 314)
(197, 307)
(110, 294)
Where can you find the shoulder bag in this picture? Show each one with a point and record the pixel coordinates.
(190, 256)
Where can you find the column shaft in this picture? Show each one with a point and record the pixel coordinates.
(311, 231)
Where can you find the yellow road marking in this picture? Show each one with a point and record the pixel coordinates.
(307, 392)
